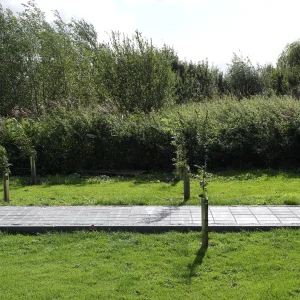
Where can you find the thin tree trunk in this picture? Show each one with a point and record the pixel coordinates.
(33, 170)
(186, 186)
(204, 211)
(6, 186)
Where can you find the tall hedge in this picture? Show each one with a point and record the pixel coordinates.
(255, 132)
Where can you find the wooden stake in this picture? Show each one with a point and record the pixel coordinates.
(6, 186)
(204, 211)
(33, 170)
(186, 186)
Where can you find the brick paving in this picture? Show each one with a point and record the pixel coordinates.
(146, 218)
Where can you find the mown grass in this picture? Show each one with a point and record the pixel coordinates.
(256, 187)
(101, 265)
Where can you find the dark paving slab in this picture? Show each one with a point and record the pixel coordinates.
(146, 218)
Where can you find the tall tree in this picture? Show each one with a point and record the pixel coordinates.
(289, 68)
(242, 77)
(135, 74)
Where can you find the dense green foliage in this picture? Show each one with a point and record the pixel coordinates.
(289, 68)
(3, 159)
(20, 134)
(242, 78)
(196, 82)
(135, 74)
(255, 132)
(99, 265)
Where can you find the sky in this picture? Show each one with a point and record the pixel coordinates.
(196, 29)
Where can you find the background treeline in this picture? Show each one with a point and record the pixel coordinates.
(45, 64)
(78, 103)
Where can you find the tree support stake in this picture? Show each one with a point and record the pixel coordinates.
(6, 186)
(204, 212)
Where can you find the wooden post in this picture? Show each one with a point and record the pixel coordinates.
(204, 211)
(33, 169)
(186, 185)
(6, 186)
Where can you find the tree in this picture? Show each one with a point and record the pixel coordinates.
(4, 169)
(15, 132)
(242, 77)
(43, 64)
(14, 47)
(267, 79)
(135, 74)
(289, 68)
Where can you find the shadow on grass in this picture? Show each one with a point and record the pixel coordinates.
(238, 174)
(77, 179)
(25, 181)
(291, 202)
(197, 262)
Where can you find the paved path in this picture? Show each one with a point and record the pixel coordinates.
(145, 218)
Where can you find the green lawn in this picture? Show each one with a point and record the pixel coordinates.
(99, 265)
(256, 187)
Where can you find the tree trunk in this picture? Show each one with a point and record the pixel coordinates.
(33, 170)
(6, 186)
(186, 186)
(204, 211)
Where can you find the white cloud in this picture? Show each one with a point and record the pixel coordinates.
(169, 2)
(104, 15)
(14, 5)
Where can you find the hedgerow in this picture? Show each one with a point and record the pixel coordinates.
(256, 132)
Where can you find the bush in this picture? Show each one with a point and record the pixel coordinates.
(255, 132)
(74, 140)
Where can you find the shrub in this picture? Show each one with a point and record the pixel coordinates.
(255, 132)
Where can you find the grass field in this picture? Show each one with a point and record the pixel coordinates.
(99, 265)
(257, 187)
(122, 265)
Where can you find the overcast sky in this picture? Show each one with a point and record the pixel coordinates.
(196, 29)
